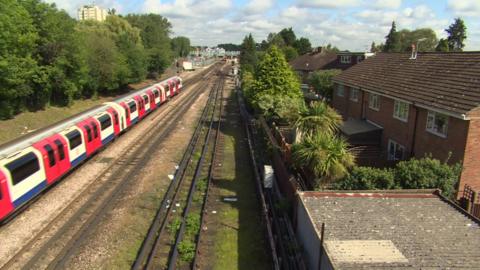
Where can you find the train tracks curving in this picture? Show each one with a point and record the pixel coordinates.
(172, 239)
(55, 245)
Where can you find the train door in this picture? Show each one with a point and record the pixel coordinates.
(151, 97)
(146, 102)
(56, 163)
(171, 87)
(163, 95)
(25, 175)
(167, 90)
(127, 115)
(76, 145)
(6, 206)
(106, 127)
(92, 143)
(141, 107)
(133, 107)
(116, 120)
(156, 97)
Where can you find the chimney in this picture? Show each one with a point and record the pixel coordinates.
(414, 52)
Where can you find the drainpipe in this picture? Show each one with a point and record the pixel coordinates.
(412, 149)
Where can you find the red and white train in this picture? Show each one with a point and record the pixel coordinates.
(32, 163)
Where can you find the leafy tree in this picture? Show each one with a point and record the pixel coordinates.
(288, 36)
(229, 47)
(155, 31)
(274, 83)
(181, 46)
(392, 42)
(407, 38)
(331, 48)
(290, 53)
(442, 46)
(18, 38)
(275, 39)
(303, 45)
(318, 118)
(457, 33)
(322, 82)
(248, 54)
(108, 68)
(325, 155)
(129, 43)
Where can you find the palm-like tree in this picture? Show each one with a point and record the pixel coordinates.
(325, 155)
(318, 118)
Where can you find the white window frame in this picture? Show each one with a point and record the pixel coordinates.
(371, 102)
(340, 90)
(345, 59)
(354, 94)
(398, 112)
(396, 147)
(430, 125)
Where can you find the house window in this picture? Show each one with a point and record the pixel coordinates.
(396, 151)
(374, 102)
(340, 90)
(354, 94)
(437, 123)
(359, 58)
(345, 59)
(400, 110)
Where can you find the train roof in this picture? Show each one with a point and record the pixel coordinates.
(26, 140)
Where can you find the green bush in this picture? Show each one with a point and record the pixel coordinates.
(193, 224)
(365, 178)
(428, 173)
(186, 249)
(425, 173)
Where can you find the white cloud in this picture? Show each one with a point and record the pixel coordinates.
(328, 3)
(469, 8)
(256, 7)
(392, 4)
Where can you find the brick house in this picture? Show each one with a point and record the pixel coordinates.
(320, 59)
(408, 106)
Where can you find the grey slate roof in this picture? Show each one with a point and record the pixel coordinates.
(429, 232)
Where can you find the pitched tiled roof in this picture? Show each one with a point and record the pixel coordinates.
(314, 61)
(445, 81)
(412, 230)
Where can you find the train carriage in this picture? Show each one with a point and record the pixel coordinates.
(25, 175)
(29, 164)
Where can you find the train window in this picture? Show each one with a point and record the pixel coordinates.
(23, 167)
(95, 129)
(51, 155)
(167, 87)
(74, 138)
(89, 132)
(146, 99)
(156, 93)
(127, 113)
(61, 153)
(105, 121)
(115, 117)
(133, 106)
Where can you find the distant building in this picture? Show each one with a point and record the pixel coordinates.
(321, 59)
(409, 229)
(92, 12)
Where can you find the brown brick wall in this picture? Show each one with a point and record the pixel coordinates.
(340, 103)
(403, 132)
(439, 147)
(471, 162)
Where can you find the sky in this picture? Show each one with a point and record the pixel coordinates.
(348, 24)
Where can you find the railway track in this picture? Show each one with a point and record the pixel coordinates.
(58, 242)
(172, 238)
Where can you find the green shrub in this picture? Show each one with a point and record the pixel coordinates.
(193, 224)
(365, 178)
(425, 173)
(186, 249)
(428, 173)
